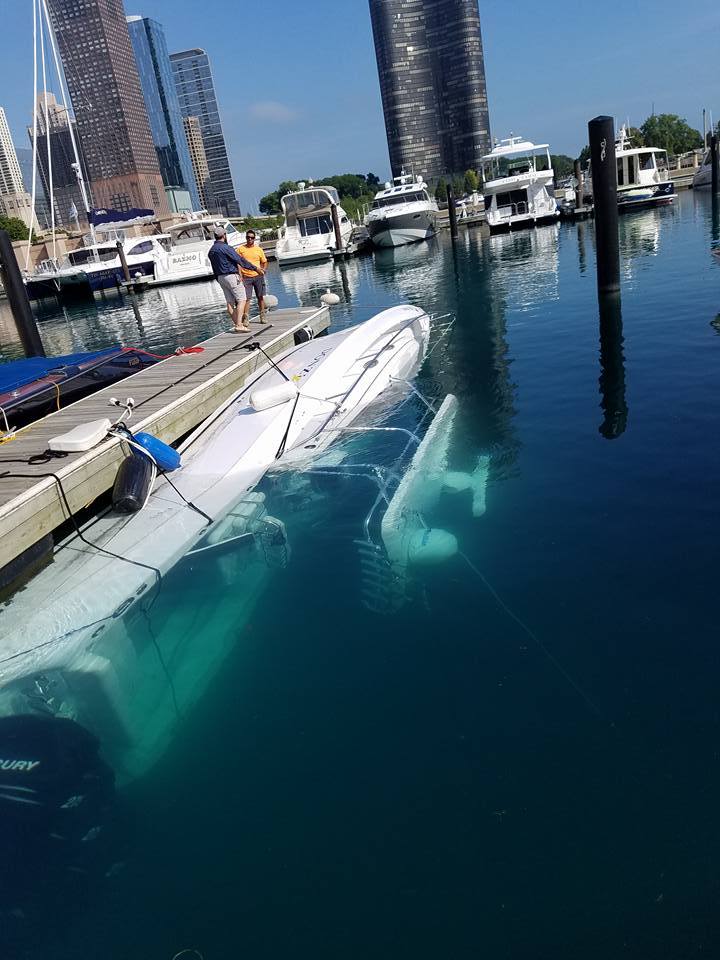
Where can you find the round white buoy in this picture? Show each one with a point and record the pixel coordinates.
(271, 301)
(329, 299)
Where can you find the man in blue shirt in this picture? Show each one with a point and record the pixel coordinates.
(225, 262)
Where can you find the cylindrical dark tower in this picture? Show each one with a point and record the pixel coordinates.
(432, 80)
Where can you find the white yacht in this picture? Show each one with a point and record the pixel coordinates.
(308, 232)
(172, 257)
(642, 175)
(703, 177)
(518, 186)
(402, 213)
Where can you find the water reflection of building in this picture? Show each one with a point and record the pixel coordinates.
(416, 270)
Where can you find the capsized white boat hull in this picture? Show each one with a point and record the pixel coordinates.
(85, 624)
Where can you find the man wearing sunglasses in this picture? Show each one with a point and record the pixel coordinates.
(254, 280)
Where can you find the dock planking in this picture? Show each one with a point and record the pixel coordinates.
(171, 398)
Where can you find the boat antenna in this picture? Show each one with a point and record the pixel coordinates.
(77, 166)
(47, 140)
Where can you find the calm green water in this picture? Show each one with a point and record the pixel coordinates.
(443, 783)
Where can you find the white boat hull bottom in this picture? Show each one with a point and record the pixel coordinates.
(397, 237)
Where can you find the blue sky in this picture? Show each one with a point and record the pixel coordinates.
(298, 86)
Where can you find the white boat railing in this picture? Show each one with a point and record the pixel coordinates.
(512, 210)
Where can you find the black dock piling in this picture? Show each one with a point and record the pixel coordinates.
(577, 169)
(18, 299)
(123, 261)
(339, 246)
(601, 131)
(714, 164)
(452, 211)
(612, 368)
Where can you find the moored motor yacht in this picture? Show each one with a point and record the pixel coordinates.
(316, 227)
(643, 179)
(172, 257)
(518, 184)
(402, 213)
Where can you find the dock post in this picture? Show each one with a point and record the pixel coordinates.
(612, 368)
(123, 261)
(601, 131)
(336, 227)
(18, 299)
(452, 212)
(714, 163)
(578, 184)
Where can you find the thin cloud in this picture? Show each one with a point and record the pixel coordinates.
(273, 111)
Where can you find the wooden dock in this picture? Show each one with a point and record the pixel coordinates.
(171, 398)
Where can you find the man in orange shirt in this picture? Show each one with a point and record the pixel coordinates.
(254, 280)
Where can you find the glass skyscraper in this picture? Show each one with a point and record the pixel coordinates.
(196, 91)
(163, 110)
(432, 81)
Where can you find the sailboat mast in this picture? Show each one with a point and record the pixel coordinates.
(77, 167)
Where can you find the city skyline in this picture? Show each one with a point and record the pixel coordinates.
(65, 187)
(278, 128)
(432, 82)
(108, 105)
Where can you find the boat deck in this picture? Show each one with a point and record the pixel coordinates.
(171, 398)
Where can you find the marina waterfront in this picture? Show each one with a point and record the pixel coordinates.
(522, 762)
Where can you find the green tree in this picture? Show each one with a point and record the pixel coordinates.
(15, 227)
(270, 204)
(562, 165)
(441, 191)
(671, 132)
(584, 156)
(471, 181)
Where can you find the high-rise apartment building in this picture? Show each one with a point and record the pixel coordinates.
(196, 91)
(109, 107)
(66, 192)
(432, 81)
(42, 209)
(15, 202)
(163, 110)
(199, 162)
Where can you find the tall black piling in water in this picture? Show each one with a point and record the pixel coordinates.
(601, 131)
(612, 368)
(18, 299)
(714, 164)
(577, 170)
(452, 211)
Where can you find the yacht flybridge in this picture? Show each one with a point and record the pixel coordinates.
(316, 227)
(643, 179)
(172, 257)
(518, 184)
(402, 213)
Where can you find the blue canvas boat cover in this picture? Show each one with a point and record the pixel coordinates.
(18, 373)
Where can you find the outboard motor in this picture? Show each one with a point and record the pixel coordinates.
(56, 797)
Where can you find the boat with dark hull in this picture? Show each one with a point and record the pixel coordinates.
(33, 387)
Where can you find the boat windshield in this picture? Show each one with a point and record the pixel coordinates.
(308, 202)
(515, 166)
(92, 255)
(415, 197)
(313, 226)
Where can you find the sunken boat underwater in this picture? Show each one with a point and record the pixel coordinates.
(104, 635)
